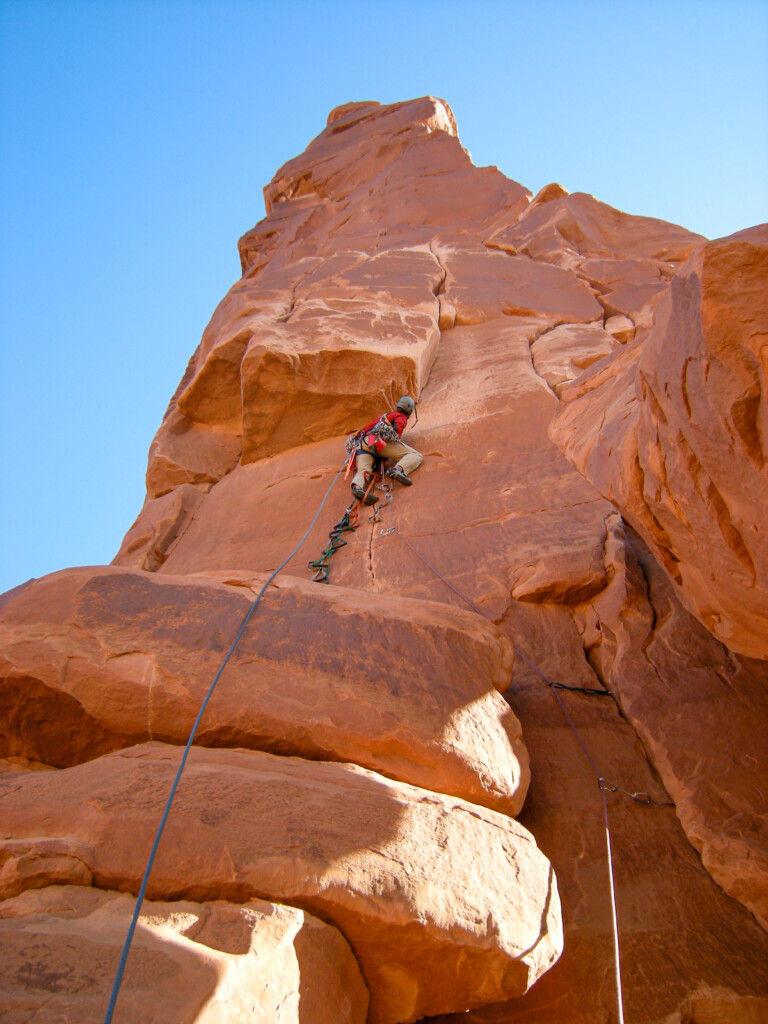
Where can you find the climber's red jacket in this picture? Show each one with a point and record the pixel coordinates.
(396, 418)
(398, 421)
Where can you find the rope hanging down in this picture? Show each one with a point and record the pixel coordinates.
(604, 785)
(185, 755)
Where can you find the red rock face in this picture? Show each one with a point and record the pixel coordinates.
(295, 685)
(371, 734)
(675, 433)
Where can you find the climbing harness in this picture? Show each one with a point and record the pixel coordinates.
(349, 522)
(604, 785)
(185, 755)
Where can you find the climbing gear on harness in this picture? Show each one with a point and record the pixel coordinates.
(406, 404)
(371, 443)
(385, 430)
(382, 434)
(353, 442)
(177, 778)
(397, 474)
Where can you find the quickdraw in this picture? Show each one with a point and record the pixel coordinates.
(348, 524)
(640, 798)
(322, 565)
(592, 690)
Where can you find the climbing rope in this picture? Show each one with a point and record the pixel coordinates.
(604, 785)
(185, 755)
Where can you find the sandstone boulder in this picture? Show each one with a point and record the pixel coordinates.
(674, 431)
(95, 659)
(324, 361)
(446, 905)
(214, 963)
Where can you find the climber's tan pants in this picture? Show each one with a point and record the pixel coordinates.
(408, 460)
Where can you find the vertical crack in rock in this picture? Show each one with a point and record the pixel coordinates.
(187, 523)
(370, 566)
(531, 340)
(286, 316)
(446, 313)
(161, 526)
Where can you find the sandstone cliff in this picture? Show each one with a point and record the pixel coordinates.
(401, 817)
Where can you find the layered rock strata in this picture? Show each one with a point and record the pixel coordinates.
(393, 867)
(387, 263)
(300, 681)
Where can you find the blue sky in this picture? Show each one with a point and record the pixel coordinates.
(136, 137)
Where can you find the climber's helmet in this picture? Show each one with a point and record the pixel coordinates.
(406, 405)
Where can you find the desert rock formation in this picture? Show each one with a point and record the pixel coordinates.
(674, 431)
(369, 743)
(216, 963)
(393, 867)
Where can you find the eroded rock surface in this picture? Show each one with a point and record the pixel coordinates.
(393, 867)
(95, 659)
(675, 433)
(699, 711)
(659, 876)
(213, 963)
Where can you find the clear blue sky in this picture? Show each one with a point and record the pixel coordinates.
(137, 135)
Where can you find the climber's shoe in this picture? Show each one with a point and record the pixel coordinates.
(359, 493)
(397, 474)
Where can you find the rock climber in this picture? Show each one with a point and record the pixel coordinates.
(381, 439)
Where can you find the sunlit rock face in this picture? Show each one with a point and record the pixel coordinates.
(393, 867)
(453, 734)
(675, 433)
(384, 754)
(214, 963)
